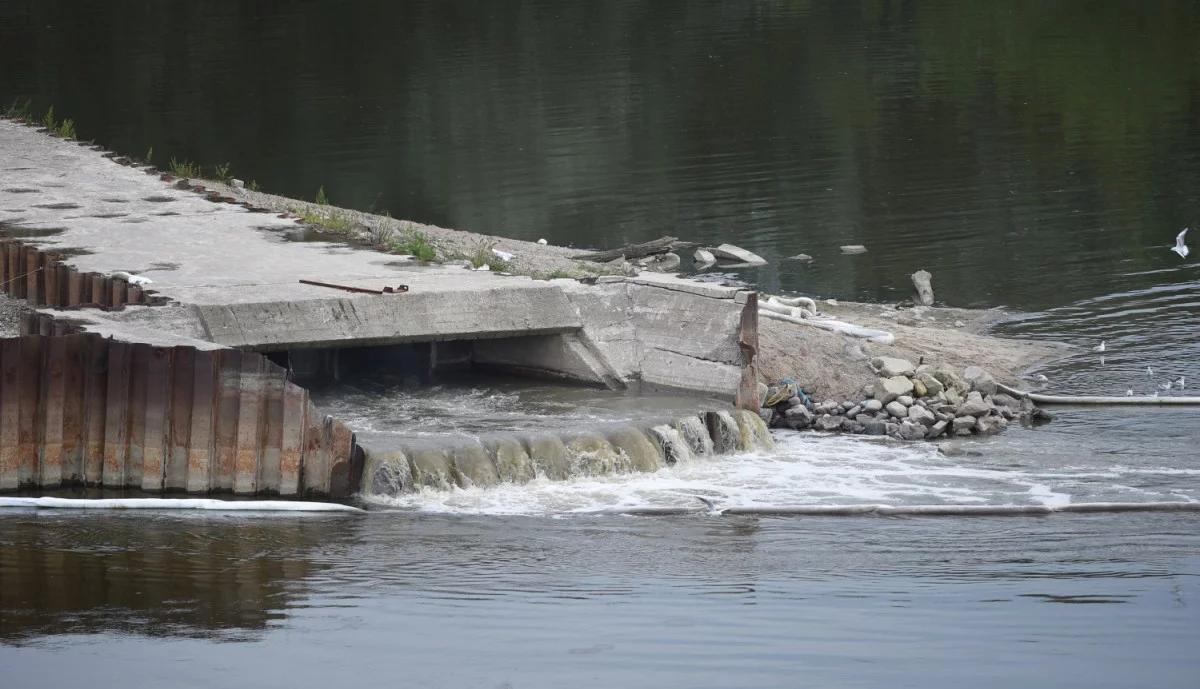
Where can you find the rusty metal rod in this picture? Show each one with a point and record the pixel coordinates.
(399, 289)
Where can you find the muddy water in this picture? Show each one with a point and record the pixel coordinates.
(1031, 156)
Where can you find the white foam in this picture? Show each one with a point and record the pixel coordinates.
(803, 469)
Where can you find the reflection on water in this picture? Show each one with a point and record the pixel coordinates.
(450, 601)
(225, 578)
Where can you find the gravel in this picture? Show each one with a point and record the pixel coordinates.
(10, 315)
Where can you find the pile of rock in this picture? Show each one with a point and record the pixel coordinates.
(910, 403)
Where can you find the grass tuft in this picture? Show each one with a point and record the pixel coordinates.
(322, 199)
(184, 168)
(223, 172)
(416, 244)
(19, 110)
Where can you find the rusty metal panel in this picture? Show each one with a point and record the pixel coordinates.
(200, 449)
(272, 437)
(95, 380)
(317, 441)
(155, 428)
(77, 287)
(747, 393)
(228, 394)
(73, 414)
(99, 291)
(133, 295)
(341, 452)
(249, 424)
(118, 290)
(135, 460)
(292, 445)
(16, 270)
(50, 279)
(29, 379)
(116, 426)
(52, 405)
(10, 404)
(4, 244)
(33, 274)
(175, 475)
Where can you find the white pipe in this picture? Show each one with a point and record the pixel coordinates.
(1100, 399)
(804, 302)
(178, 504)
(880, 336)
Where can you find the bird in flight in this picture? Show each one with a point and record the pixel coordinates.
(1180, 248)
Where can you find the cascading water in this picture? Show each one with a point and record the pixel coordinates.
(470, 463)
(675, 449)
(695, 434)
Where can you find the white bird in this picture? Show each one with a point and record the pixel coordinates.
(1042, 378)
(713, 510)
(1167, 385)
(1180, 248)
(1180, 382)
(1129, 392)
(543, 242)
(1149, 371)
(1100, 347)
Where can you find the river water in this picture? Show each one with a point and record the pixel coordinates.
(1036, 157)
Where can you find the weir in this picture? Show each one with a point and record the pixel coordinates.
(512, 458)
(175, 331)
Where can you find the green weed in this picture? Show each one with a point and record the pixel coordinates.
(184, 168)
(417, 245)
(322, 199)
(223, 172)
(65, 129)
(19, 110)
(149, 156)
(332, 221)
(252, 185)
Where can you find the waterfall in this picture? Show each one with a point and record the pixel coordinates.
(674, 448)
(724, 430)
(489, 461)
(695, 434)
(387, 473)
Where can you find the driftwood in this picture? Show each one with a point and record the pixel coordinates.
(631, 251)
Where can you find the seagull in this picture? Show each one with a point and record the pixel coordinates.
(1167, 385)
(1041, 377)
(713, 510)
(131, 278)
(1149, 371)
(1100, 347)
(1129, 392)
(1180, 248)
(1180, 382)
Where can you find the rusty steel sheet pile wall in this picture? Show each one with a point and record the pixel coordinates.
(81, 409)
(40, 277)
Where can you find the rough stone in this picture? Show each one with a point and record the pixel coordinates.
(952, 396)
(949, 379)
(890, 367)
(973, 406)
(827, 422)
(854, 249)
(799, 414)
(987, 425)
(979, 379)
(731, 252)
(704, 257)
(849, 425)
(932, 385)
(800, 257)
(888, 389)
(906, 400)
(875, 427)
(872, 405)
(1009, 401)
(964, 423)
(937, 429)
(922, 282)
(912, 431)
(795, 402)
(892, 429)
(897, 410)
(919, 388)
(854, 411)
(921, 415)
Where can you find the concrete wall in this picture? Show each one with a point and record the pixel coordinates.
(81, 409)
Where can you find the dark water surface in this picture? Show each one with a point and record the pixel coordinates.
(444, 601)
(1038, 156)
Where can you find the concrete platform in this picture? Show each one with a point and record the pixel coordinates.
(223, 275)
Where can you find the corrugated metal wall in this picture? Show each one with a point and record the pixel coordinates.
(27, 272)
(82, 409)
